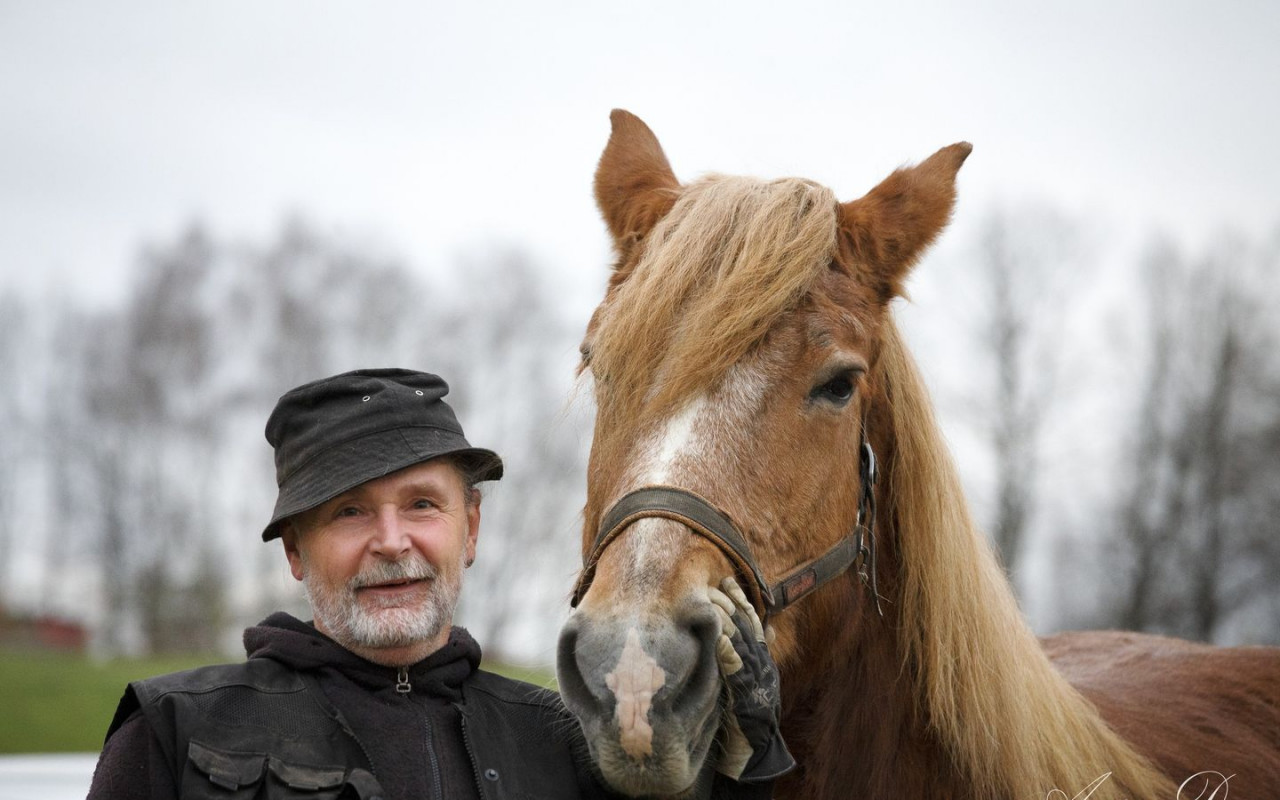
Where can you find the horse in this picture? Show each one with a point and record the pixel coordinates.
(760, 417)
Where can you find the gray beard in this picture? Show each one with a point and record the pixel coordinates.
(354, 626)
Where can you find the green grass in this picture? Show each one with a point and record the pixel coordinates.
(59, 703)
(62, 703)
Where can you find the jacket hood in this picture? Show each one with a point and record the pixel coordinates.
(297, 644)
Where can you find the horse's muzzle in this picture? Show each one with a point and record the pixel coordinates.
(645, 689)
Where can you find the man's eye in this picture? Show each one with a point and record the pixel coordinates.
(423, 503)
(348, 511)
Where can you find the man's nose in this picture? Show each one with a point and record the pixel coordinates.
(390, 536)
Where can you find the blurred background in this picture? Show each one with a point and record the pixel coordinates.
(204, 205)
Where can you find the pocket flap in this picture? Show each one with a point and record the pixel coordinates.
(297, 776)
(227, 768)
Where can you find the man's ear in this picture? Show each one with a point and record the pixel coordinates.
(888, 229)
(473, 529)
(289, 537)
(634, 185)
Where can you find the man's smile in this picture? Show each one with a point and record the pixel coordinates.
(396, 587)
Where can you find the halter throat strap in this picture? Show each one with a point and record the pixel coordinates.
(705, 520)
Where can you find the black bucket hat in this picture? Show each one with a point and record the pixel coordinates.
(334, 434)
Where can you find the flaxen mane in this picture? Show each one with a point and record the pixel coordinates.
(989, 690)
(717, 272)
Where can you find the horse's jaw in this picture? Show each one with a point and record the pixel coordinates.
(646, 692)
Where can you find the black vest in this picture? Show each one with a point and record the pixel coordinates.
(262, 729)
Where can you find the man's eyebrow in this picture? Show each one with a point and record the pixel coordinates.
(332, 502)
(420, 486)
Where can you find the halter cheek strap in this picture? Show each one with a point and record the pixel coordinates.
(712, 524)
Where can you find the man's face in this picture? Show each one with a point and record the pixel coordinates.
(382, 563)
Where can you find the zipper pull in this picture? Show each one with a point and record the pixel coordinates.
(402, 681)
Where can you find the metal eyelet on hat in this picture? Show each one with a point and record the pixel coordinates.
(418, 392)
(365, 399)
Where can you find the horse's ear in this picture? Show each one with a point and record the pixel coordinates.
(635, 186)
(892, 225)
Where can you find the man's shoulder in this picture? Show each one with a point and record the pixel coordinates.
(260, 674)
(263, 677)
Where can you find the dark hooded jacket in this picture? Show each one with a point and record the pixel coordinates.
(304, 717)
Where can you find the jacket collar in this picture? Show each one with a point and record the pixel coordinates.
(297, 644)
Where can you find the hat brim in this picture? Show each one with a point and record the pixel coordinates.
(349, 464)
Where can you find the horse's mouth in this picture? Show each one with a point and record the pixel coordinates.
(671, 771)
(651, 776)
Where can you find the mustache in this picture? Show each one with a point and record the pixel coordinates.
(410, 568)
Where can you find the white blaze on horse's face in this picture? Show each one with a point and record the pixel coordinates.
(654, 545)
(702, 427)
(633, 681)
(682, 452)
(673, 441)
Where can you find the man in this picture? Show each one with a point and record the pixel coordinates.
(380, 696)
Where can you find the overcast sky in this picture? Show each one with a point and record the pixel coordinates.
(434, 128)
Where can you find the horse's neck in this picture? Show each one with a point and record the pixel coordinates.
(949, 695)
(852, 719)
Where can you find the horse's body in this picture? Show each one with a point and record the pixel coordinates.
(1189, 707)
(744, 351)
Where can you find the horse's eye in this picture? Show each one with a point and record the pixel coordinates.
(837, 390)
(585, 351)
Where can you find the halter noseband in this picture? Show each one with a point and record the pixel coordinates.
(705, 520)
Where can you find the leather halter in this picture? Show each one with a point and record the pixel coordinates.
(712, 524)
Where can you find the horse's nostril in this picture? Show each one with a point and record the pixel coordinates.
(700, 681)
(701, 621)
(573, 686)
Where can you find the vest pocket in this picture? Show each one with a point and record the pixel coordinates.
(225, 774)
(298, 781)
(213, 773)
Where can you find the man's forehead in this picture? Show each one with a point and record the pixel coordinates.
(439, 476)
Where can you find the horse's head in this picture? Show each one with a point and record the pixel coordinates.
(733, 357)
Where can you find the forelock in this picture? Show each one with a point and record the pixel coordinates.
(715, 275)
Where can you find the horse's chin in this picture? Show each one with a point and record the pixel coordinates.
(640, 779)
(671, 770)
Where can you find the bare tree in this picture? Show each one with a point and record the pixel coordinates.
(505, 352)
(1024, 261)
(151, 446)
(1157, 462)
(1197, 524)
(12, 423)
(144, 433)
